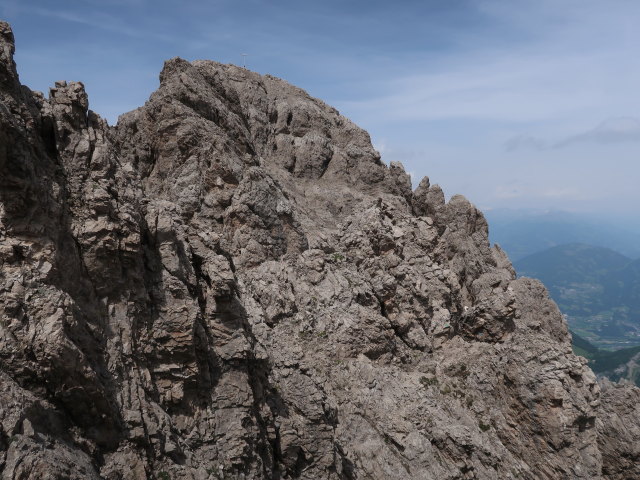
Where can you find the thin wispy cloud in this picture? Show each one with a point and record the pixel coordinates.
(609, 132)
(615, 130)
(519, 190)
(524, 142)
(474, 93)
(99, 20)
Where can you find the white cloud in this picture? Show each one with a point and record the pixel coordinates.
(610, 131)
(562, 192)
(512, 89)
(506, 192)
(536, 191)
(614, 130)
(95, 19)
(524, 142)
(575, 64)
(381, 147)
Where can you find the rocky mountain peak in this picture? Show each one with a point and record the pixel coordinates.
(8, 72)
(230, 283)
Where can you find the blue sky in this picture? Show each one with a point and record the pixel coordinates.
(513, 103)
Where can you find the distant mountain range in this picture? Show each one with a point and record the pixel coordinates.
(616, 365)
(524, 232)
(591, 267)
(597, 288)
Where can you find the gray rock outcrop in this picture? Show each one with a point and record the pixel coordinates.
(229, 283)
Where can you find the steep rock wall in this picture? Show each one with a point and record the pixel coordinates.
(231, 284)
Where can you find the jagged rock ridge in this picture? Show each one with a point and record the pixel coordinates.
(230, 283)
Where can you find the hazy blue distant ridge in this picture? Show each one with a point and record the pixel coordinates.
(521, 233)
(597, 288)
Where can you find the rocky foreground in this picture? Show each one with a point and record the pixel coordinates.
(230, 284)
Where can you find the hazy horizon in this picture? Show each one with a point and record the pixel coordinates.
(513, 104)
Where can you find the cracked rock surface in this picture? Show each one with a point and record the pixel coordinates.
(231, 284)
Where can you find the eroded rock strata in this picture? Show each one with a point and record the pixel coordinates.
(230, 283)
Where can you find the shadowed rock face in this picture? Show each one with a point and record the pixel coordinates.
(231, 284)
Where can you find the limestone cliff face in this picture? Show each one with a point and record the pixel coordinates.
(231, 284)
